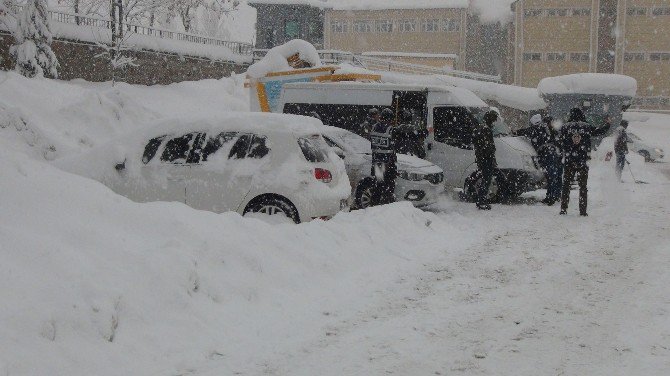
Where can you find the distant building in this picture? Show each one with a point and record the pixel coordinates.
(630, 37)
(279, 21)
(400, 30)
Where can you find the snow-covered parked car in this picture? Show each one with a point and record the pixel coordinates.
(243, 162)
(419, 181)
(650, 153)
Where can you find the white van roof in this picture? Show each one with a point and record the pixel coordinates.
(450, 94)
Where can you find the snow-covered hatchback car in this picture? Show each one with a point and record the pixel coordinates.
(243, 162)
(419, 181)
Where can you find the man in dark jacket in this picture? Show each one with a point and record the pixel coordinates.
(576, 144)
(621, 148)
(384, 159)
(372, 119)
(485, 156)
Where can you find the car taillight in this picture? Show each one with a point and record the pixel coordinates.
(323, 175)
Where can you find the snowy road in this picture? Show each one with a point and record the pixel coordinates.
(540, 295)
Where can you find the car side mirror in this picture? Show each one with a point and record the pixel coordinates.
(120, 166)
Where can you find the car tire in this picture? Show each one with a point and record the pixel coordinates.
(646, 155)
(497, 191)
(273, 205)
(363, 197)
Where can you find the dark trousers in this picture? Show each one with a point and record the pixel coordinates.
(554, 169)
(568, 177)
(620, 164)
(484, 185)
(383, 191)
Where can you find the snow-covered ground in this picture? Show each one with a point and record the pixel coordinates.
(93, 283)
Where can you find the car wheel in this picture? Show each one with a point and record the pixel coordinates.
(272, 205)
(646, 155)
(496, 189)
(364, 195)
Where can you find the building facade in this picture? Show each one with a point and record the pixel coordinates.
(557, 37)
(434, 37)
(278, 22)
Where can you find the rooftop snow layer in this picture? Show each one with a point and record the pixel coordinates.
(371, 4)
(589, 83)
(276, 59)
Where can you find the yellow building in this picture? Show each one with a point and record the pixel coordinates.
(401, 31)
(557, 37)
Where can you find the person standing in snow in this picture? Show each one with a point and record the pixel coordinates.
(621, 148)
(384, 159)
(576, 144)
(544, 139)
(372, 119)
(485, 156)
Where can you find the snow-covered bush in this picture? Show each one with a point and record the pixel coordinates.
(32, 51)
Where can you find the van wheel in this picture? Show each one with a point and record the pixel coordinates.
(496, 189)
(273, 205)
(363, 199)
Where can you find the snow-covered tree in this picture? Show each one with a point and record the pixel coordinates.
(32, 48)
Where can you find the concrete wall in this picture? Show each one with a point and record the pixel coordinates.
(77, 60)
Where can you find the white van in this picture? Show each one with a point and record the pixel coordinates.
(442, 110)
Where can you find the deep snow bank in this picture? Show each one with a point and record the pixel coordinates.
(51, 118)
(93, 283)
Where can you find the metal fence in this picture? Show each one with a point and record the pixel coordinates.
(81, 20)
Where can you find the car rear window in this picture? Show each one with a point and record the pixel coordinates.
(313, 149)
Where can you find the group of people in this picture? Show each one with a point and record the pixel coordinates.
(564, 155)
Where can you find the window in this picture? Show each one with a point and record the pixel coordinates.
(151, 149)
(665, 11)
(292, 29)
(177, 149)
(384, 26)
(532, 56)
(453, 126)
(431, 26)
(213, 144)
(581, 12)
(532, 13)
(313, 150)
(556, 56)
(258, 148)
(634, 56)
(452, 25)
(407, 26)
(659, 56)
(362, 27)
(579, 57)
(557, 12)
(636, 11)
(339, 27)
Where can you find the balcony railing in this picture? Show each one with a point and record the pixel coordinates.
(240, 48)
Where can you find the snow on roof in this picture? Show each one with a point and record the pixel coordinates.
(276, 59)
(249, 121)
(589, 83)
(314, 3)
(396, 4)
(410, 54)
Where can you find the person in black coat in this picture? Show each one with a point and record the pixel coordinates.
(576, 144)
(384, 159)
(410, 138)
(485, 157)
(621, 148)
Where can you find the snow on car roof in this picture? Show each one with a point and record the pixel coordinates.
(237, 121)
(589, 83)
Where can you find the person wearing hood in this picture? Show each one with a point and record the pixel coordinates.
(621, 148)
(485, 156)
(576, 145)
